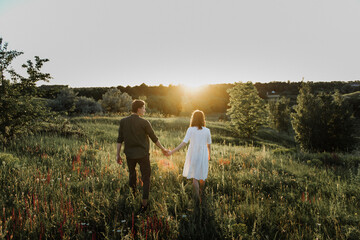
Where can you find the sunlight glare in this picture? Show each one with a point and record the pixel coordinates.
(194, 88)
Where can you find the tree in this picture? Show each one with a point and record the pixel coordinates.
(19, 106)
(246, 109)
(322, 122)
(279, 114)
(115, 101)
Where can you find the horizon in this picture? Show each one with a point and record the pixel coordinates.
(187, 86)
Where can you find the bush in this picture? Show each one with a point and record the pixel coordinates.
(84, 105)
(64, 101)
(9, 161)
(114, 101)
(282, 151)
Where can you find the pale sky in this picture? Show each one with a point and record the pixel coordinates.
(115, 42)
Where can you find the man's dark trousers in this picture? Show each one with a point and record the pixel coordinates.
(145, 174)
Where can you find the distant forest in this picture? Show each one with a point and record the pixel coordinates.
(174, 100)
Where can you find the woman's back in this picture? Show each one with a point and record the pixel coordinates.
(198, 137)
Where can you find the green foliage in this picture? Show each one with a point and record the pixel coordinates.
(164, 104)
(246, 109)
(7, 160)
(91, 92)
(20, 111)
(114, 101)
(84, 105)
(50, 91)
(322, 122)
(279, 114)
(353, 99)
(281, 151)
(67, 102)
(64, 101)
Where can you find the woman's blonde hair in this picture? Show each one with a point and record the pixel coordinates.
(198, 119)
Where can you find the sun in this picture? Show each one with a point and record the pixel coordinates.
(193, 88)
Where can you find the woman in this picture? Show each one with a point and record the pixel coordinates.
(198, 154)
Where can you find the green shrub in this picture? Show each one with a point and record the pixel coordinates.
(114, 101)
(280, 151)
(7, 160)
(64, 101)
(84, 105)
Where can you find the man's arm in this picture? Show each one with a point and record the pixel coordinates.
(120, 140)
(164, 151)
(150, 132)
(118, 157)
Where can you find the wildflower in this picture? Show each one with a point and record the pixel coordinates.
(224, 161)
(184, 216)
(123, 221)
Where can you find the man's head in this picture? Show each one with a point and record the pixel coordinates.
(138, 107)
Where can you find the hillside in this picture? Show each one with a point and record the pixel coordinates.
(65, 183)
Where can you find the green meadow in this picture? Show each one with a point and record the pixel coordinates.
(64, 183)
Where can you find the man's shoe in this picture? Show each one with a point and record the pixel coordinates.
(142, 209)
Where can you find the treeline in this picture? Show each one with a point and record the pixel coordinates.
(168, 100)
(174, 100)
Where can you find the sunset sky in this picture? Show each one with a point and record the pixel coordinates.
(193, 42)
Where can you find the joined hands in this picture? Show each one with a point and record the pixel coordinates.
(167, 152)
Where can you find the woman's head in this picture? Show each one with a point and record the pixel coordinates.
(197, 119)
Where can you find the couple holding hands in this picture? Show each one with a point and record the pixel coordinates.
(134, 132)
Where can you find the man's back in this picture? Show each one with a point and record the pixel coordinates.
(135, 132)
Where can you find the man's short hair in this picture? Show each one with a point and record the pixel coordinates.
(136, 104)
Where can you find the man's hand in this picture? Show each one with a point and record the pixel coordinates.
(119, 160)
(165, 152)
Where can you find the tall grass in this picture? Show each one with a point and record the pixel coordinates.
(56, 186)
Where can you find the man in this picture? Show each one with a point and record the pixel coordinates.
(135, 131)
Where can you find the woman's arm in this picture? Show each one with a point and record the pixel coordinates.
(209, 151)
(181, 145)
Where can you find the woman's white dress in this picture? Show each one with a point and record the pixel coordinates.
(196, 163)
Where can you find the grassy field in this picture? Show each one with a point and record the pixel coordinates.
(64, 183)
